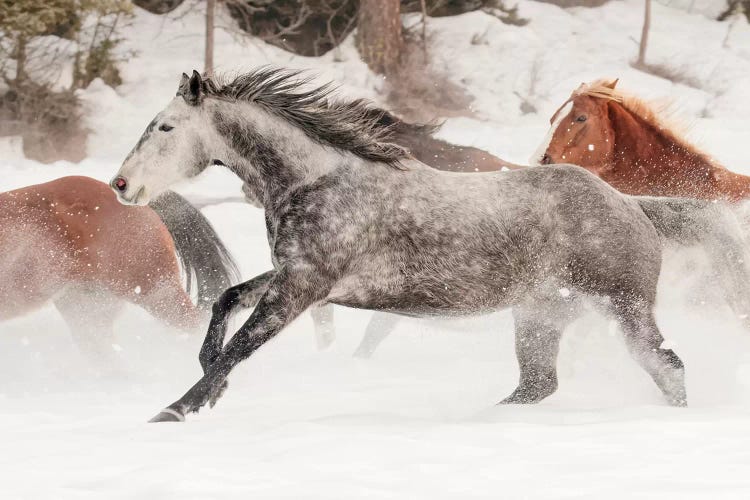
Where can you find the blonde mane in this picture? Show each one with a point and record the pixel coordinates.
(661, 114)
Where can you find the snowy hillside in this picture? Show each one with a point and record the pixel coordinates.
(418, 420)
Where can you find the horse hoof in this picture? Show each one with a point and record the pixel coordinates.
(168, 415)
(511, 401)
(678, 402)
(525, 397)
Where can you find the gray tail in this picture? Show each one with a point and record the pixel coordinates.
(204, 258)
(684, 220)
(716, 228)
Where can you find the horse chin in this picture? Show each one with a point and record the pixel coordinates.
(140, 198)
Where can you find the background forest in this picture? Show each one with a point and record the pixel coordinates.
(52, 49)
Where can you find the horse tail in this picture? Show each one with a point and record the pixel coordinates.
(684, 220)
(717, 229)
(204, 258)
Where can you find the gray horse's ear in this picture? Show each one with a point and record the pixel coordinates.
(183, 86)
(191, 88)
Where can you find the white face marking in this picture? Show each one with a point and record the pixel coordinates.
(536, 158)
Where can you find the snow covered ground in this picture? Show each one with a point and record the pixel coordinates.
(417, 420)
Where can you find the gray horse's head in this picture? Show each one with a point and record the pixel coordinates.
(175, 146)
(266, 123)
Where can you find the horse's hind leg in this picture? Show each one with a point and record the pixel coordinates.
(323, 322)
(644, 341)
(90, 315)
(380, 326)
(728, 265)
(538, 335)
(168, 302)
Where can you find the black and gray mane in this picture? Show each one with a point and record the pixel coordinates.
(354, 126)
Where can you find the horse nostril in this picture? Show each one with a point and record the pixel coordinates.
(546, 159)
(120, 184)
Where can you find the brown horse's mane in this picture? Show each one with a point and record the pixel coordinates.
(661, 115)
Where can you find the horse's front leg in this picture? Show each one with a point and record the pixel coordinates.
(289, 293)
(245, 295)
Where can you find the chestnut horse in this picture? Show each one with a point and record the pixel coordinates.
(622, 139)
(70, 242)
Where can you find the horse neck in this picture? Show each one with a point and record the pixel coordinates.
(641, 145)
(270, 155)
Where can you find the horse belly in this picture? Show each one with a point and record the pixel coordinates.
(430, 290)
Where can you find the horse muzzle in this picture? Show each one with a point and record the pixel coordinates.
(121, 187)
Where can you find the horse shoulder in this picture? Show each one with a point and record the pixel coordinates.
(319, 224)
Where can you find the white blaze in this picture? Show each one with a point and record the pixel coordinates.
(536, 158)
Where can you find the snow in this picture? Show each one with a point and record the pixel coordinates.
(418, 420)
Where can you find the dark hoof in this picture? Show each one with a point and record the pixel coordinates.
(168, 415)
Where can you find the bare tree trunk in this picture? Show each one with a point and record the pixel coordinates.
(424, 28)
(379, 34)
(208, 68)
(644, 35)
(20, 56)
(158, 6)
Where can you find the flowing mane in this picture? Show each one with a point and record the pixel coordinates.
(660, 115)
(352, 125)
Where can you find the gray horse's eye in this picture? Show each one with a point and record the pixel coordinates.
(165, 128)
(581, 118)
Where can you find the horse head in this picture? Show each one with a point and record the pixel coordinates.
(581, 132)
(173, 147)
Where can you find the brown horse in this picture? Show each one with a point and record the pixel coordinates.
(420, 141)
(623, 140)
(69, 241)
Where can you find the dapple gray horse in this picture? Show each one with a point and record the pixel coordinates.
(355, 221)
(422, 145)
